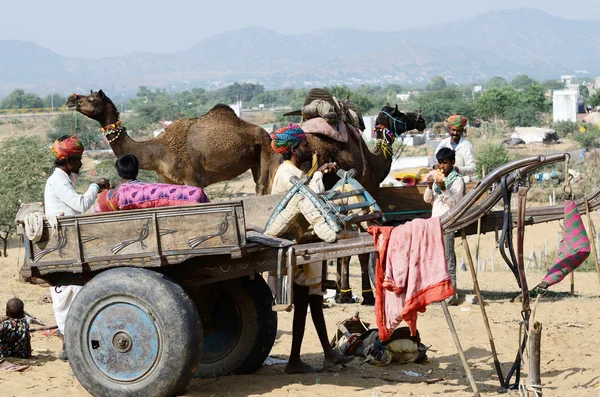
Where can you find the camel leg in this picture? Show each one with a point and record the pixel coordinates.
(345, 295)
(256, 178)
(264, 176)
(367, 291)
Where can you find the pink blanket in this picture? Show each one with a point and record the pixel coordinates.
(411, 273)
(319, 125)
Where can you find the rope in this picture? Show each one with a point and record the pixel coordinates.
(34, 226)
(535, 389)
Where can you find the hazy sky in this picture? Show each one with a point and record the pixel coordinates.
(98, 28)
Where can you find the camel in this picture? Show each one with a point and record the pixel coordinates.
(199, 152)
(371, 168)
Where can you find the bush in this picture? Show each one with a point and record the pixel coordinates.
(564, 128)
(490, 155)
(587, 139)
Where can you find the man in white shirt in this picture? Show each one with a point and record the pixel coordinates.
(463, 149)
(61, 199)
(292, 143)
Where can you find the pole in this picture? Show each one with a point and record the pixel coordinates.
(593, 236)
(486, 321)
(459, 348)
(534, 389)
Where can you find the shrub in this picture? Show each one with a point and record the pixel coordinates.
(490, 155)
(564, 128)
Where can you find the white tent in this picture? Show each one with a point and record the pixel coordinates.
(535, 135)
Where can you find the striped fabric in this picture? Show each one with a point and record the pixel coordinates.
(574, 247)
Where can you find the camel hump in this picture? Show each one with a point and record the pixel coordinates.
(222, 108)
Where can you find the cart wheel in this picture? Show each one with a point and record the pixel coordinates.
(239, 326)
(133, 332)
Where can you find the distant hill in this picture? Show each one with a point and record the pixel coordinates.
(496, 43)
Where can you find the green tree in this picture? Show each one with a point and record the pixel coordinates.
(522, 81)
(54, 100)
(552, 85)
(525, 115)
(496, 82)
(438, 105)
(584, 91)
(490, 155)
(493, 103)
(436, 83)
(26, 163)
(594, 99)
(19, 99)
(86, 129)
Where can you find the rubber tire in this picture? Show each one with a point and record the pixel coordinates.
(256, 327)
(175, 317)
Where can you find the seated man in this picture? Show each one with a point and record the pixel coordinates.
(134, 194)
(14, 332)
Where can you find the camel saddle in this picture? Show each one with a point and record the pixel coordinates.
(319, 125)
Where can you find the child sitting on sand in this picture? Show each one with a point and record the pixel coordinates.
(15, 339)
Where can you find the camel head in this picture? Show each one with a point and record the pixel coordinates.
(96, 106)
(397, 122)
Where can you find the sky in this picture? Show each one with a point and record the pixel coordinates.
(101, 28)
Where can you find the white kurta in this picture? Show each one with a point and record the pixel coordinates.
(464, 156)
(309, 275)
(61, 199)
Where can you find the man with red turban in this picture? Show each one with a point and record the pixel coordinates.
(463, 149)
(61, 199)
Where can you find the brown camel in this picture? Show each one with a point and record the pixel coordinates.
(371, 169)
(201, 151)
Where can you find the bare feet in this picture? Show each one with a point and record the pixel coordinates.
(335, 360)
(299, 367)
(6, 366)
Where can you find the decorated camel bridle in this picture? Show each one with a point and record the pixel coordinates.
(110, 129)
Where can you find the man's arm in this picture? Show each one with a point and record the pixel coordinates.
(468, 155)
(79, 202)
(428, 195)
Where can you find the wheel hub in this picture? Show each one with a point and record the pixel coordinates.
(124, 341)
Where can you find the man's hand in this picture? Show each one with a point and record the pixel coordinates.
(441, 185)
(103, 183)
(327, 167)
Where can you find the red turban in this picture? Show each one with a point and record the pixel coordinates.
(70, 147)
(457, 122)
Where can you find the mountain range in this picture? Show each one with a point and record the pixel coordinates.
(503, 43)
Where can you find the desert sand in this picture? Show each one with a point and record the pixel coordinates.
(570, 351)
(570, 355)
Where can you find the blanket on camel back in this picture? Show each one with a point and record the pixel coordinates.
(326, 115)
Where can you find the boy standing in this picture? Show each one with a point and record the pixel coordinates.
(444, 191)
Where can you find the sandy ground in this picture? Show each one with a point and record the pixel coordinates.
(570, 357)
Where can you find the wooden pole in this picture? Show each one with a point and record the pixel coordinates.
(592, 236)
(486, 321)
(534, 389)
(459, 348)
(573, 283)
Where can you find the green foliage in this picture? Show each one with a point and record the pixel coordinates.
(436, 83)
(490, 155)
(587, 139)
(438, 105)
(564, 128)
(552, 85)
(493, 103)
(26, 163)
(496, 82)
(54, 100)
(19, 99)
(522, 81)
(584, 91)
(594, 99)
(523, 116)
(86, 129)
